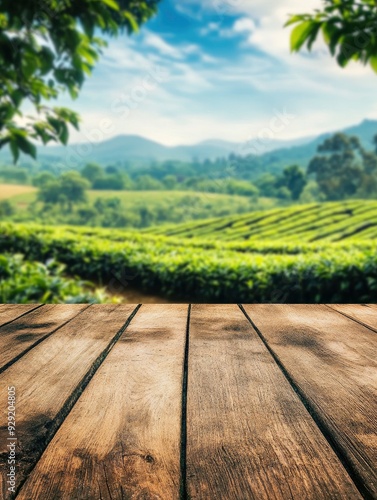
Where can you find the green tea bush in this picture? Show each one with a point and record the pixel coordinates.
(328, 273)
(334, 221)
(22, 281)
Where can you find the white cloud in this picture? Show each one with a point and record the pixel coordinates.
(192, 49)
(167, 129)
(153, 40)
(244, 24)
(187, 79)
(227, 97)
(179, 53)
(211, 28)
(121, 55)
(268, 8)
(262, 25)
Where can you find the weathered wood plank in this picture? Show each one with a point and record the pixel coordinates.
(122, 438)
(49, 378)
(248, 434)
(10, 312)
(333, 362)
(365, 314)
(22, 334)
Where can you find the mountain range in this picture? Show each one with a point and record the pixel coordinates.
(131, 148)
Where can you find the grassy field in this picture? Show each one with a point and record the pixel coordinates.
(20, 194)
(337, 221)
(154, 199)
(156, 206)
(26, 194)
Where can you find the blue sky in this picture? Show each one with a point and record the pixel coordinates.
(220, 69)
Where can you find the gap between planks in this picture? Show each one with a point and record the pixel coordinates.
(359, 316)
(332, 442)
(249, 435)
(7, 315)
(52, 426)
(123, 442)
(340, 430)
(183, 451)
(37, 313)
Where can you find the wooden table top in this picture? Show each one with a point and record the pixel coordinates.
(176, 401)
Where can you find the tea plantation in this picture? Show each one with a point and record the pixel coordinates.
(313, 253)
(336, 221)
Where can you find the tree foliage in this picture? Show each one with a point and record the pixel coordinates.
(349, 28)
(343, 168)
(68, 189)
(294, 180)
(47, 47)
(92, 171)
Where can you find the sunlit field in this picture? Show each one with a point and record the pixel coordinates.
(20, 194)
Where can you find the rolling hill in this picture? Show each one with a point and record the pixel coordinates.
(275, 154)
(129, 148)
(322, 222)
(139, 149)
(301, 154)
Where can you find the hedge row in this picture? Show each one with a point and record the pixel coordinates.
(191, 273)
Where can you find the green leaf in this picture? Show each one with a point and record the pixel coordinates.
(29, 64)
(7, 111)
(64, 134)
(300, 34)
(55, 123)
(42, 132)
(293, 20)
(331, 35)
(17, 97)
(26, 146)
(373, 63)
(87, 53)
(14, 149)
(74, 120)
(347, 52)
(46, 57)
(45, 51)
(133, 23)
(112, 4)
(313, 35)
(88, 25)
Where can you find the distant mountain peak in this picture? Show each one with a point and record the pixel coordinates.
(135, 148)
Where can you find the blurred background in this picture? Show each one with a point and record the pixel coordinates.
(213, 155)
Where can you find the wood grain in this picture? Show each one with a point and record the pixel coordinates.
(22, 334)
(365, 314)
(333, 362)
(10, 312)
(122, 438)
(49, 378)
(248, 434)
